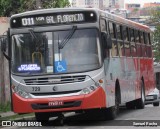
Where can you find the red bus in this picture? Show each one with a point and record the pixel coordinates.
(78, 60)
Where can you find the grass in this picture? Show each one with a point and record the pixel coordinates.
(5, 107)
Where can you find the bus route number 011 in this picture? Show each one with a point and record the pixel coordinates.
(27, 21)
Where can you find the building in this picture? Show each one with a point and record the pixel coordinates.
(78, 3)
(87, 3)
(113, 3)
(133, 10)
(155, 4)
(101, 4)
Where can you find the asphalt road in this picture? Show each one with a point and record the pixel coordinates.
(127, 119)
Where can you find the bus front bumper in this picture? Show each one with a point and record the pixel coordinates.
(96, 99)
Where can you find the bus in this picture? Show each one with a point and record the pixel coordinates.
(78, 59)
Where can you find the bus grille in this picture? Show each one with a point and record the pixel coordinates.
(54, 80)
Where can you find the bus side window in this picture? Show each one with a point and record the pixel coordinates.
(138, 44)
(103, 25)
(132, 42)
(142, 42)
(110, 27)
(136, 36)
(114, 41)
(132, 38)
(126, 41)
(120, 42)
(141, 37)
(144, 50)
(148, 46)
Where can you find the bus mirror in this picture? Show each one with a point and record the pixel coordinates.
(3, 44)
(107, 41)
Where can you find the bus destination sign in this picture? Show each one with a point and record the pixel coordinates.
(52, 19)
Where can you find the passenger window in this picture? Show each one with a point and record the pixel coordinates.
(149, 39)
(119, 34)
(120, 42)
(132, 39)
(136, 34)
(146, 38)
(111, 29)
(141, 37)
(125, 33)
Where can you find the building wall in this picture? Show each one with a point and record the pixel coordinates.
(102, 4)
(151, 5)
(133, 9)
(121, 4)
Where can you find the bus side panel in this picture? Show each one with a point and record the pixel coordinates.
(123, 70)
(147, 72)
(150, 76)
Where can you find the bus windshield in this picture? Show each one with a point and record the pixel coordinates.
(44, 56)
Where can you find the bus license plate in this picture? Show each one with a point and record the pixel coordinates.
(55, 103)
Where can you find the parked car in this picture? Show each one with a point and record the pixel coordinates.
(153, 97)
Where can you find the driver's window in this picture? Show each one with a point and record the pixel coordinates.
(103, 25)
(103, 28)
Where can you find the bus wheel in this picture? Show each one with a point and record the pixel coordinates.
(130, 105)
(156, 104)
(42, 117)
(140, 103)
(112, 112)
(61, 119)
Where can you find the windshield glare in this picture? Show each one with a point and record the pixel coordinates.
(42, 55)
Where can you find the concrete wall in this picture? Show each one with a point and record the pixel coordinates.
(4, 71)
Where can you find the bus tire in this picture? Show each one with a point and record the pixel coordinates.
(112, 112)
(140, 103)
(130, 105)
(42, 117)
(156, 104)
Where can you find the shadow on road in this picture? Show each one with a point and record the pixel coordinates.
(85, 119)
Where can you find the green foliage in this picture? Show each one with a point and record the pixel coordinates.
(5, 107)
(156, 35)
(55, 3)
(9, 7)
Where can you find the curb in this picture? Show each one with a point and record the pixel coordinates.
(7, 114)
(15, 116)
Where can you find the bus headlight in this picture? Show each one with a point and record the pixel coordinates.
(18, 90)
(90, 89)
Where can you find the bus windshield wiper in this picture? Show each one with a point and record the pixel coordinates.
(67, 38)
(34, 37)
(33, 34)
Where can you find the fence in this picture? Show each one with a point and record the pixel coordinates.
(4, 71)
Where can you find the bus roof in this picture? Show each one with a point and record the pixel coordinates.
(99, 12)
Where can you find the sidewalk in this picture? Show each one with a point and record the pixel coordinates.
(14, 116)
(6, 114)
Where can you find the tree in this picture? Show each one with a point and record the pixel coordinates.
(9, 7)
(155, 18)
